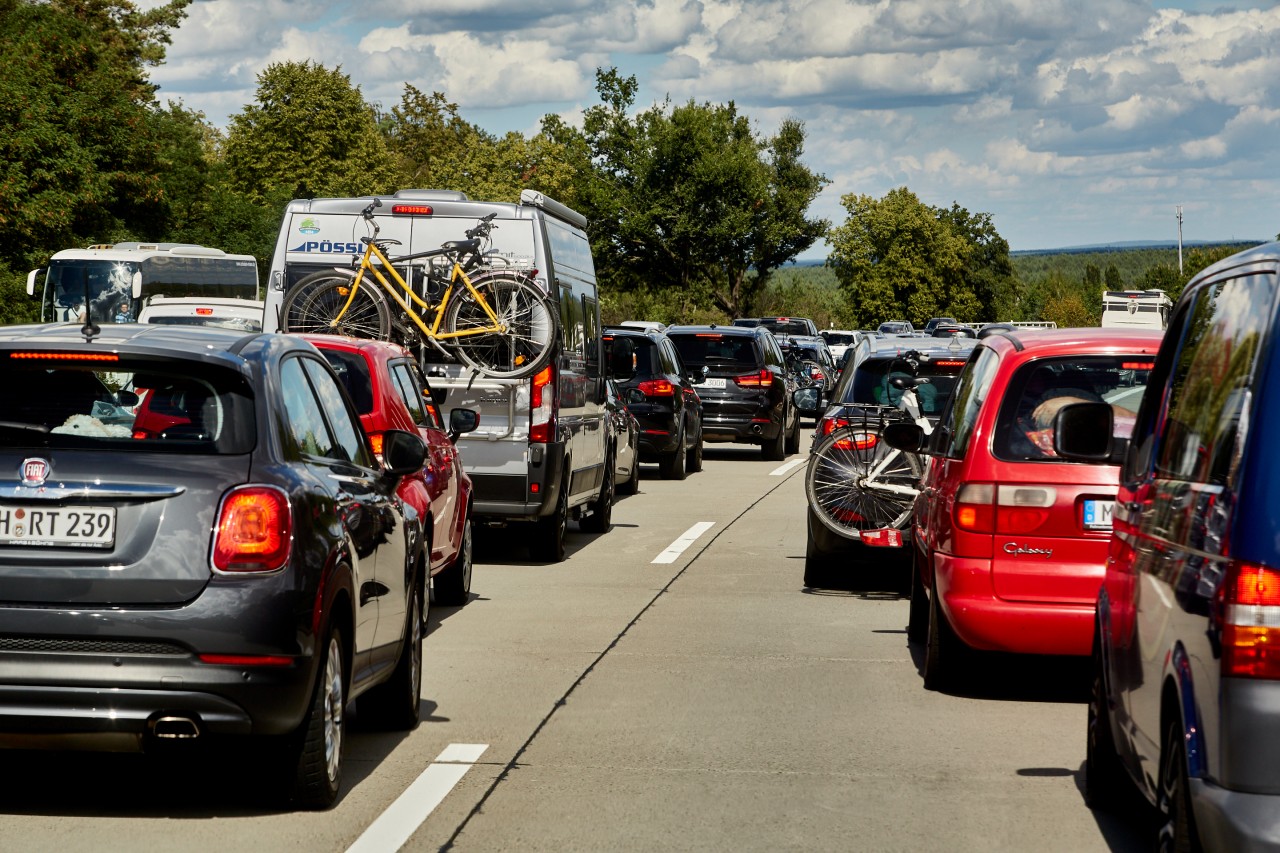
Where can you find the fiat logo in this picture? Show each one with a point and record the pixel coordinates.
(34, 471)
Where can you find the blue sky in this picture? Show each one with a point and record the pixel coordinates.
(1072, 122)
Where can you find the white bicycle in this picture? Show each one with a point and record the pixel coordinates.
(857, 483)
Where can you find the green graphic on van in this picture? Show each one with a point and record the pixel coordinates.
(308, 226)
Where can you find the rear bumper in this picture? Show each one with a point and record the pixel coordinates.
(1234, 820)
(516, 497)
(984, 621)
(741, 429)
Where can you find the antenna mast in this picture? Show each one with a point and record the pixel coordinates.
(1179, 209)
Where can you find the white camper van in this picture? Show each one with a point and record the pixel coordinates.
(543, 452)
(1135, 309)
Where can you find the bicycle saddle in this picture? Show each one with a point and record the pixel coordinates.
(381, 242)
(462, 247)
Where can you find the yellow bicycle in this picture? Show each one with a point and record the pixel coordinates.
(495, 320)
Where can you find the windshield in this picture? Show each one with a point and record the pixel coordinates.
(108, 285)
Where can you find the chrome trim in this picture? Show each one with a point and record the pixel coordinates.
(91, 491)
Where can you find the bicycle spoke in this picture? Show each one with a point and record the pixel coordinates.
(528, 326)
(855, 489)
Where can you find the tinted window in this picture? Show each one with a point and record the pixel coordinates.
(1040, 389)
(835, 339)
(870, 384)
(1209, 386)
(353, 372)
(140, 404)
(407, 388)
(970, 393)
(302, 412)
(786, 327)
(347, 432)
(717, 351)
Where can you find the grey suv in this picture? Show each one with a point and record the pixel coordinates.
(1186, 690)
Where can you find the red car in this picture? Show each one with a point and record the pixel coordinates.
(1011, 539)
(387, 387)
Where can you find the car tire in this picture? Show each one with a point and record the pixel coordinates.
(672, 465)
(452, 585)
(693, 462)
(793, 438)
(1104, 775)
(1175, 822)
(775, 449)
(395, 703)
(817, 563)
(547, 543)
(601, 509)
(317, 757)
(944, 654)
(918, 613)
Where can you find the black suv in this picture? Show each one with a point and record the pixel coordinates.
(659, 391)
(746, 395)
(781, 325)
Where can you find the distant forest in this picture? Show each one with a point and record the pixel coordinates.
(1131, 263)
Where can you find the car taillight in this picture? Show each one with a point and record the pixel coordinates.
(830, 425)
(1251, 622)
(657, 388)
(542, 405)
(975, 509)
(761, 379)
(254, 532)
(375, 442)
(1023, 509)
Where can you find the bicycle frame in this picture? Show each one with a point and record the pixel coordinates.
(433, 331)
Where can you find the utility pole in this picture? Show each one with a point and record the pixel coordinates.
(1179, 239)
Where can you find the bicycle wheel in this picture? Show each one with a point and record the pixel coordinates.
(313, 305)
(856, 482)
(530, 318)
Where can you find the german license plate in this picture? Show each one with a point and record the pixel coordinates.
(1097, 514)
(63, 526)
(713, 382)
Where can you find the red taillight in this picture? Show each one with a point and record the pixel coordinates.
(65, 356)
(761, 379)
(829, 425)
(1251, 622)
(542, 406)
(949, 363)
(247, 660)
(411, 209)
(375, 443)
(1023, 509)
(657, 388)
(975, 509)
(1137, 365)
(255, 530)
(204, 312)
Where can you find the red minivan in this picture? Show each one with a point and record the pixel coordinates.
(386, 385)
(1010, 539)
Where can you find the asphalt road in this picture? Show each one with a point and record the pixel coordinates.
(611, 702)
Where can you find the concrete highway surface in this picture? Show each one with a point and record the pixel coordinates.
(671, 686)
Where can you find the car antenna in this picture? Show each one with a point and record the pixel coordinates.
(90, 329)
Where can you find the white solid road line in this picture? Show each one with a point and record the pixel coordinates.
(676, 548)
(403, 817)
(782, 469)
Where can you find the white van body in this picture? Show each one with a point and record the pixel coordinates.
(519, 460)
(1135, 309)
(242, 314)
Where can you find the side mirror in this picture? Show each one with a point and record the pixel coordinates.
(127, 399)
(700, 375)
(1082, 432)
(908, 437)
(808, 400)
(31, 281)
(136, 285)
(635, 395)
(402, 452)
(462, 421)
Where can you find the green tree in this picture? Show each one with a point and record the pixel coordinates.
(309, 133)
(1092, 277)
(897, 257)
(1068, 310)
(990, 288)
(78, 159)
(1113, 279)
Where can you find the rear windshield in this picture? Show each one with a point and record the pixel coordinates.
(787, 327)
(143, 404)
(871, 383)
(240, 324)
(837, 340)
(643, 351)
(353, 371)
(1039, 390)
(717, 351)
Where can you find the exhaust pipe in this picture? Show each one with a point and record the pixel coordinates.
(174, 728)
(756, 429)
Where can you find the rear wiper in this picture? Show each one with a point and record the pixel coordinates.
(23, 427)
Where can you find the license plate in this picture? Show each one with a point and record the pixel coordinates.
(713, 382)
(64, 526)
(1097, 514)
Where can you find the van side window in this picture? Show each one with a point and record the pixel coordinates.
(1209, 388)
(966, 402)
(591, 335)
(571, 321)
